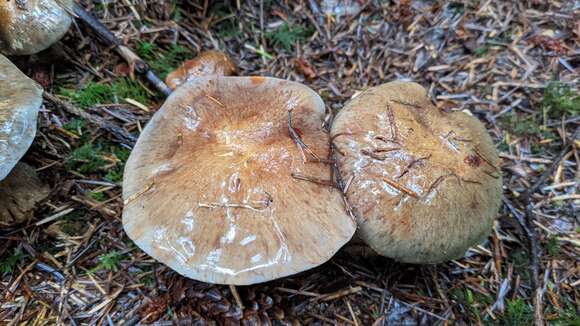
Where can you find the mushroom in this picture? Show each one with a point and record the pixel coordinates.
(218, 190)
(19, 194)
(208, 63)
(30, 26)
(424, 184)
(20, 99)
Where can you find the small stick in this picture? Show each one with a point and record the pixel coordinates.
(138, 194)
(412, 164)
(394, 130)
(255, 206)
(215, 100)
(294, 135)
(319, 181)
(374, 154)
(135, 62)
(237, 297)
(417, 106)
(526, 221)
(401, 188)
(438, 181)
(478, 153)
(320, 160)
(384, 139)
(124, 136)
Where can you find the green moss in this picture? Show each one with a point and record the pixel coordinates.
(100, 93)
(521, 260)
(474, 302)
(109, 261)
(523, 125)
(287, 35)
(553, 246)
(86, 159)
(517, 313)
(98, 196)
(482, 50)
(163, 61)
(560, 100)
(75, 125)
(9, 262)
(567, 316)
(92, 158)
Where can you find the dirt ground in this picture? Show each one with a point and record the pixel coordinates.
(513, 64)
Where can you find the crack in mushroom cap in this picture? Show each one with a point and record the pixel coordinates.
(208, 188)
(424, 184)
(20, 99)
(30, 26)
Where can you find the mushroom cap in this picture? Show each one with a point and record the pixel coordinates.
(20, 99)
(208, 63)
(208, 189)
(19, 194)
(424, 184)
(30, 26)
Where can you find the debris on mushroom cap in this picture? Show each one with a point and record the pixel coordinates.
(424, 185)
(20, 99)
(208, 63)
(217, 189)
(19, 194)
(30, 26)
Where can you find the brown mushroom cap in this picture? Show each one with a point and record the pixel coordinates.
(30, 26)
(208, 63)
(208, 188)
(424, 184)
(19, 194)
(20, 99)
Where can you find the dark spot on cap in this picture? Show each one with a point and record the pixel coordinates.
(472, 160)
(474, 205)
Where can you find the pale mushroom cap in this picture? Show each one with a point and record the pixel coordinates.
(30, 26)
(424, 184)
(20, 99)
(208, 188)
(208, 63)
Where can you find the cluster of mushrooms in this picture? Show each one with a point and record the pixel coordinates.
(26, 27)
(238, 180)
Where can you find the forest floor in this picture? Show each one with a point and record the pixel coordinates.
(513, 64)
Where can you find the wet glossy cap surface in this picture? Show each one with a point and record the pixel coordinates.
(208, 63)
(30, 26)
(208, 188)
(424, 184)
(20, 99)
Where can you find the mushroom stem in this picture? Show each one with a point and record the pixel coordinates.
(135, 62)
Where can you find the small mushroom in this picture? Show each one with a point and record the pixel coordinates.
(19, 194)
(30, 26)
(218, 190)
(208, 63)
(20, 99)
(424, 184)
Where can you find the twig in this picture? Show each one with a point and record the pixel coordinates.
(392, 123)
(122, 135)
(401, 188)
(526, 221)
(294, 135)
(373, 154)
(257, 206)
(319, 181)
(135, 62)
